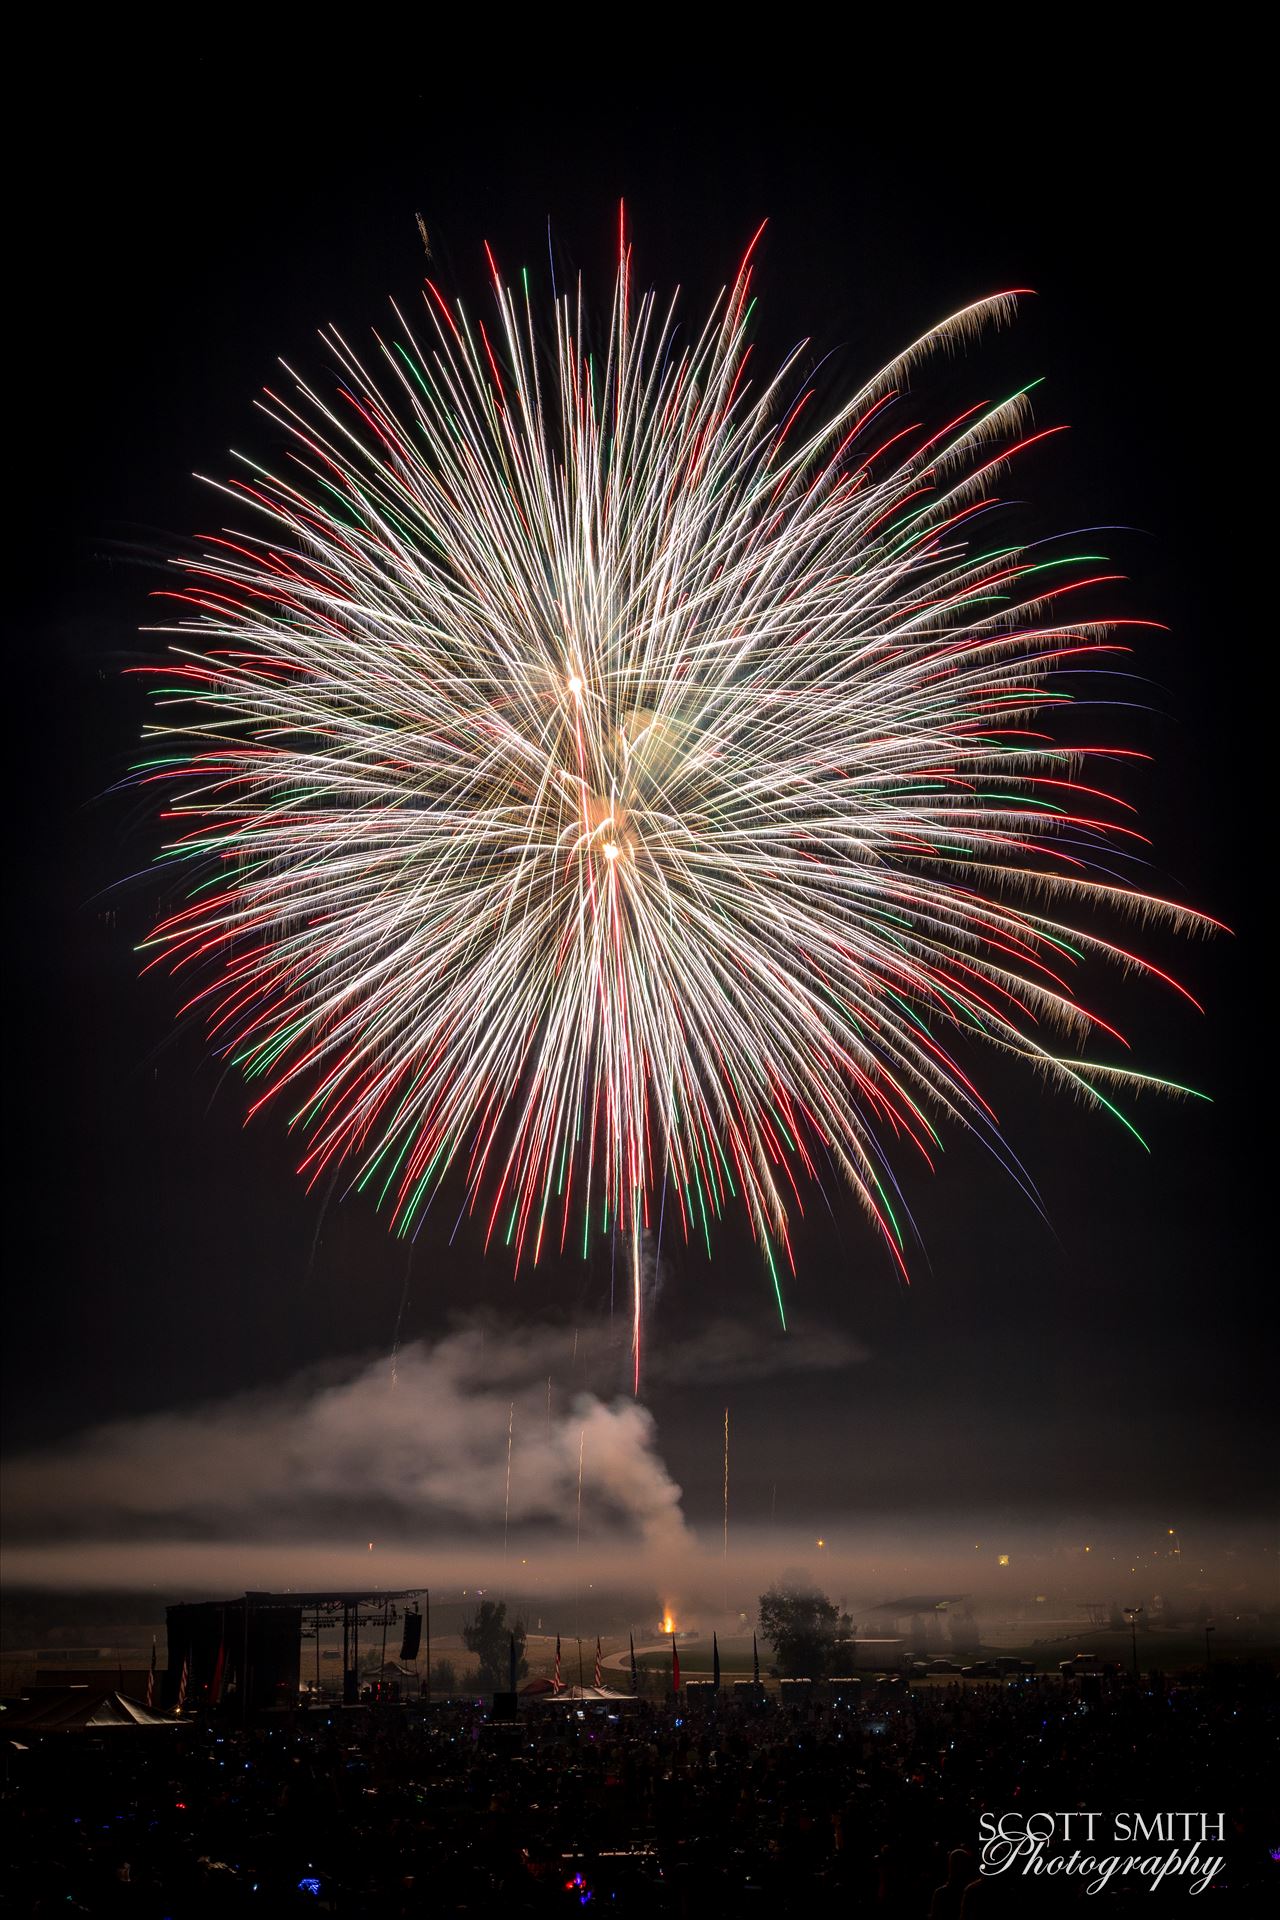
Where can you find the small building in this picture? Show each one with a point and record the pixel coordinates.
(924, 1617)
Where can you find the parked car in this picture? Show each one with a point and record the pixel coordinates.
(978, 1670)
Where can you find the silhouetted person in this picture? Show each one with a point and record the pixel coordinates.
(948, 1898)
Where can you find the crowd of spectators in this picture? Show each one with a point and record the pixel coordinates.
(642, 1808)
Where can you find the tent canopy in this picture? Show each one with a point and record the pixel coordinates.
(80, 1709)
(602, 1695)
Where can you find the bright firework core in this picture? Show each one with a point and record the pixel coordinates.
(606, 781)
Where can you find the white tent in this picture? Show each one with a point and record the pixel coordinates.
(582, 1696)
(80, 1709)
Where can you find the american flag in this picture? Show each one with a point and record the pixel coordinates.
(182, 1685)
(599, 1679)
(557, 1684)
(151, 1676)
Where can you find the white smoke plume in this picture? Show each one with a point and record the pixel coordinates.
(430, 1448)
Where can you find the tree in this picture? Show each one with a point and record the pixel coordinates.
(444, 1678)
(803, 1628)
(489, 1638)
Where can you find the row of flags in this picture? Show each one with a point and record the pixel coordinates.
(557, 1684)
(183, 1679)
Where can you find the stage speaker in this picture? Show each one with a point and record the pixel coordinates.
(504, 1706)
(412, 1637)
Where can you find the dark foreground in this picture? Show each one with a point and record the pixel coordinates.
(657, 1810)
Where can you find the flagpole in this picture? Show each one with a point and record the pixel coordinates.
(382, 1670)
(726, 1510)
(244, 1675)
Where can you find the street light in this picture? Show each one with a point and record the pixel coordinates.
(1132, 1614)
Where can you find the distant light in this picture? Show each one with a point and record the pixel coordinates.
(822, 1543)
(1003, 1559)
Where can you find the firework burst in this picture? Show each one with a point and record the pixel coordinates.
(607, 781)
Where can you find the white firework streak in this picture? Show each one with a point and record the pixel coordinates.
(607, 783)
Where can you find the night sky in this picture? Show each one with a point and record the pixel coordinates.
(163, 1253)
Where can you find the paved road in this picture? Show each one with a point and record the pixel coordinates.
(621, 1661)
